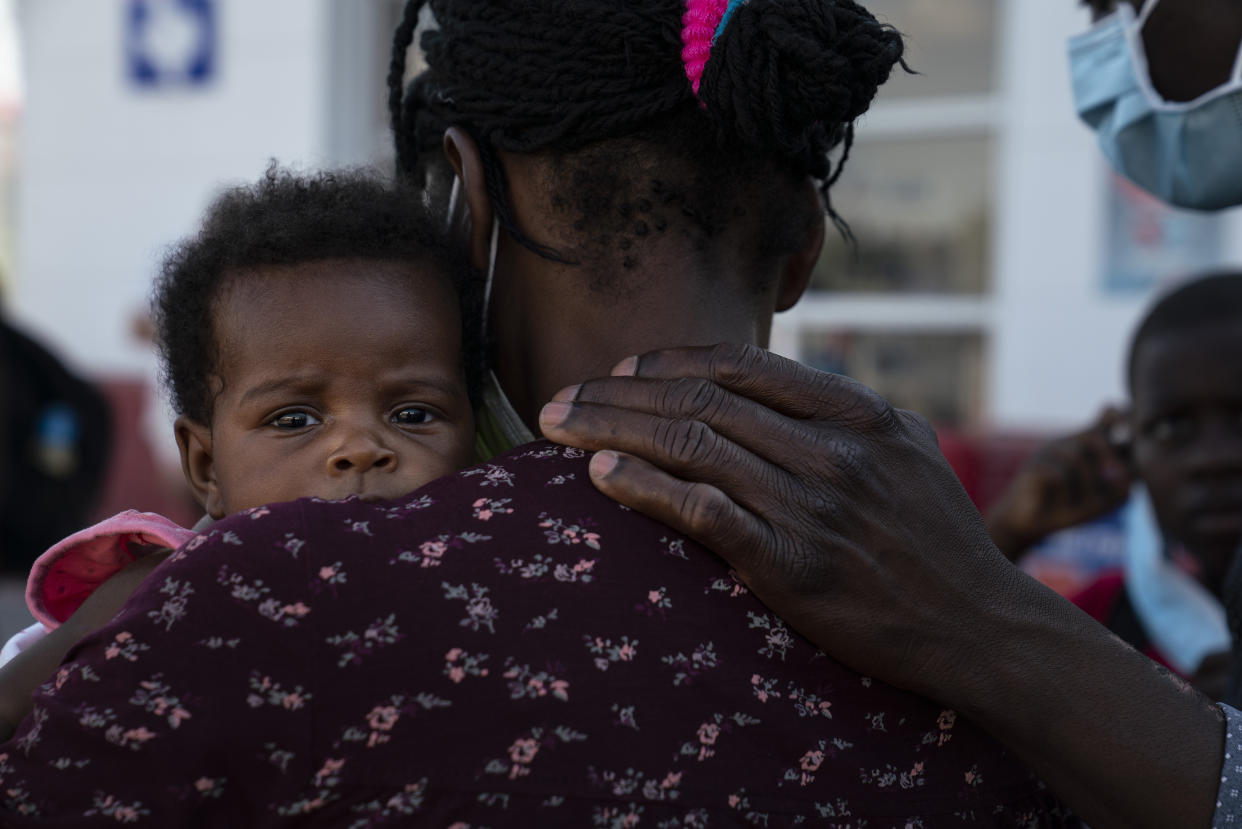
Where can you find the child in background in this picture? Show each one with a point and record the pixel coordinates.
(313, 344)
(1183, 525)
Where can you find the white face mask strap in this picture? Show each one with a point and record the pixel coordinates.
(1149, 6)
(491, 273)
(454, 195)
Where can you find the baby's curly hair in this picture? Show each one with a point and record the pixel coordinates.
(288, 219)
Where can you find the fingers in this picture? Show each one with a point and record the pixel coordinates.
(751, 425)
(686, 448)
(700, 511)
(788, 387)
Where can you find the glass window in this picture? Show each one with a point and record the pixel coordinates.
(920, 208)
(950, 43)
(937, 375)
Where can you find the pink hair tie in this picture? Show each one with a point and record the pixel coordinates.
(698, 30)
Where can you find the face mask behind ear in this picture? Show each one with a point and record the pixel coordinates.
(1188, 154)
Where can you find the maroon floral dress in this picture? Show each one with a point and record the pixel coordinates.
(505, 647)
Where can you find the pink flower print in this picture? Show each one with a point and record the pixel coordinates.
(591, 539)
(654, 596)
(112, 651)
(812, 760)
(298, 610)
(124, 636)
(523, 751)
(383, 717)
(479, 503)
(945, 722)
(431, 551)
(560, 689)
(626, 652)
(178, 716)
(917, 770)
(326, 573)
(585, 565)
(671, 781)
(204, 784)
(62, 676)
(456, 674)
(483, 514)
(139, 735)
(257, 512)
(330, 767)
(970, 777)
(453, 655)
(293, 701)
(708, 732)
(734, 800)
(125, 814)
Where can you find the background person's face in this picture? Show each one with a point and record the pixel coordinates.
(1188, 440)
(338, 378)
(1191, 46)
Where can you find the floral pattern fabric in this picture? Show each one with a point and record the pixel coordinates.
(503, 647)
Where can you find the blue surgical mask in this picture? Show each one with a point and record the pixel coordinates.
(1187, 153)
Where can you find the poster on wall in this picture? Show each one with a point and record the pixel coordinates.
(1151, 244)
(170, 43)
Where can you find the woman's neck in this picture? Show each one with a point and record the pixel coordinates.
(552, 330)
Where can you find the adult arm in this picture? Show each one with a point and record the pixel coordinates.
(843, 516)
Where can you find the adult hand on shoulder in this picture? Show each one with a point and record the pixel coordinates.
(836, 509)
(1064, 483)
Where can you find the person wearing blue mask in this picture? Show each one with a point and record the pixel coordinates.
(1161, 85)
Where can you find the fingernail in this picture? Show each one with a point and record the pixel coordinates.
(603, 463)
(568, 394)
(554, 414)
(626, 368)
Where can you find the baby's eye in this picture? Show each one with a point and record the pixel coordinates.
(411, 416)
(295, 420)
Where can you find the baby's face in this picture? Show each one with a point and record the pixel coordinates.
(336, 378)
(1188, 439)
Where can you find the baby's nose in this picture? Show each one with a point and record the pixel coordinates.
(361, 454)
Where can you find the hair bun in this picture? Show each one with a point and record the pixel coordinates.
(786, 71)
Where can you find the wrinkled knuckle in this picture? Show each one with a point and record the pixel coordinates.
(919, 426)
(704, 510)
(685, 442)
(696, 399)
(731, 362)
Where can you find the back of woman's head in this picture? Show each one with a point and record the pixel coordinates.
(623, 82)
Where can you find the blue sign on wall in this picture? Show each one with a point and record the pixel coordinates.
(171, 42)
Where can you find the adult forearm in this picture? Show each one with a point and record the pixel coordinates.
(1120, 740)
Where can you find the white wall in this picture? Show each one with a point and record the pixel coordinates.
(112, 173)
(1059, 339)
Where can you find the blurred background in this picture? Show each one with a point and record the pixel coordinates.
(999, 270)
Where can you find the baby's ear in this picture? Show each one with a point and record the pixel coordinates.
(194, 441)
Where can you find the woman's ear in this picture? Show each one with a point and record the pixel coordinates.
(798, 267)
(194, 441)
(463, 153)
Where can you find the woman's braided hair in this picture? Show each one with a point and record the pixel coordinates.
(784, 82)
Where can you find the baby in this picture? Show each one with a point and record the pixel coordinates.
(313, 343)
